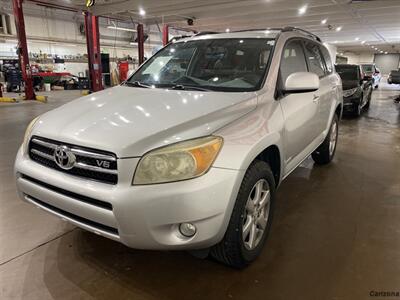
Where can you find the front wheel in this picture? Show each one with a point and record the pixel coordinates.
(250, 220)
(326, 151)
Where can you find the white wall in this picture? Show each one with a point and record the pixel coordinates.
(51, 31)
(358, 58)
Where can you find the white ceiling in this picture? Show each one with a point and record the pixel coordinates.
(377, 22)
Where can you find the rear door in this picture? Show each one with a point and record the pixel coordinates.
(300, 110)
(316, 64)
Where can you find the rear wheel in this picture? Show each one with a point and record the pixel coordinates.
(326, 151)
(250, 220)
(358, 108)
(368, 104)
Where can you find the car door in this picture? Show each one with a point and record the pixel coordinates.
(300, 110)
(316, 64)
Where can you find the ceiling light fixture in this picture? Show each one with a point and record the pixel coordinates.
(339, 28)
(121, 28)
(324, 21)
(142, 12)
(227, 30)
(357, 38)
(386, 52)
(302, 10)
(363, 42)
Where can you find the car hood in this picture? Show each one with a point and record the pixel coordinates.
(131, 121)
(350, 84)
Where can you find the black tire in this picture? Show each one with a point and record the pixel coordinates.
(232, 250)
(322, 155)
(368, 104)
(358, 109)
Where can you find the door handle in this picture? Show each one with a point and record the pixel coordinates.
(315, 98)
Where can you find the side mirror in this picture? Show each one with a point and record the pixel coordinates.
(301, 82)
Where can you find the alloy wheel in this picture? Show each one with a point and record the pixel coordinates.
(256, 214)
(333, 138)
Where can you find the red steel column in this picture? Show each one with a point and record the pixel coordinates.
(165, 34)
(93, 50)
(23, 50)
(140, 40)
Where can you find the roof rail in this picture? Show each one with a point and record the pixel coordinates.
(205, 32)
(310, 34)
(260, 29)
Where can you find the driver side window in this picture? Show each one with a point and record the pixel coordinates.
(293, 60)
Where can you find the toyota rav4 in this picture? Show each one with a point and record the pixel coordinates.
(188, 152)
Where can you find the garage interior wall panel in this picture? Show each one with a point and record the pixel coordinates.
(359, 58)
(387, 62)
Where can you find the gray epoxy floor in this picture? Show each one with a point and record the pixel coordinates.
(336, 232)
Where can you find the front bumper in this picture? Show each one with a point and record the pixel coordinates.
(142, 217)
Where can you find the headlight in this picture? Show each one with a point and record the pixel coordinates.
(28, 133)
(179, 161)
(350, 92)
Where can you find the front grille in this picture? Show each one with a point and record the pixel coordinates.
(90, 163)
(85, 199)
(98, 226)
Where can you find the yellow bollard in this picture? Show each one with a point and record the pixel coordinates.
(7, 100)
(41, 99)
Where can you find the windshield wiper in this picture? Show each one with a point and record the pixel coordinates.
(137, 84)
(189, 87)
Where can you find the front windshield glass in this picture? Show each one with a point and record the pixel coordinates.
(349, 73)
(234, 65)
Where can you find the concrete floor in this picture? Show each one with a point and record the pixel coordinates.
(336, 232)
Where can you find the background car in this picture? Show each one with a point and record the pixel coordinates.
(394, 77)
(357, 89)
(370, 70)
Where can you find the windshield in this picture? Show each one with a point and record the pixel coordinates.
(235, 65)
(347, 72)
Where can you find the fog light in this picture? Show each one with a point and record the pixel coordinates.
(187, 229)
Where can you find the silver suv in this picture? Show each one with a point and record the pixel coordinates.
(188, 153)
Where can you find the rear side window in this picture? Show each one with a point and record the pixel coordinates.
(293, 60)
(315, 60)
(328, 60)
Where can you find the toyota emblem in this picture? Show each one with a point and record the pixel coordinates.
(64, 158)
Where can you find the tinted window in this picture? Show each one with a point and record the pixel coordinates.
(213, 64)
(293, 60)
(314, 58)
(348, 72)
(328, 60)
(367, 68)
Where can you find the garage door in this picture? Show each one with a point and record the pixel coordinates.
(387, 62)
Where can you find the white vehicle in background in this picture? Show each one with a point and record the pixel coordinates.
(188, 153)
(371, 71)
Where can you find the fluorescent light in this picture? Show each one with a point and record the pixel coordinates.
(142, 12)
(324, 21)
(357, 38)
(121, 28)
(227, 30)
(339, 28)
(302, 10)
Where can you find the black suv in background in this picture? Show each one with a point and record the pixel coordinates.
(357, 90)
(394, 77)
